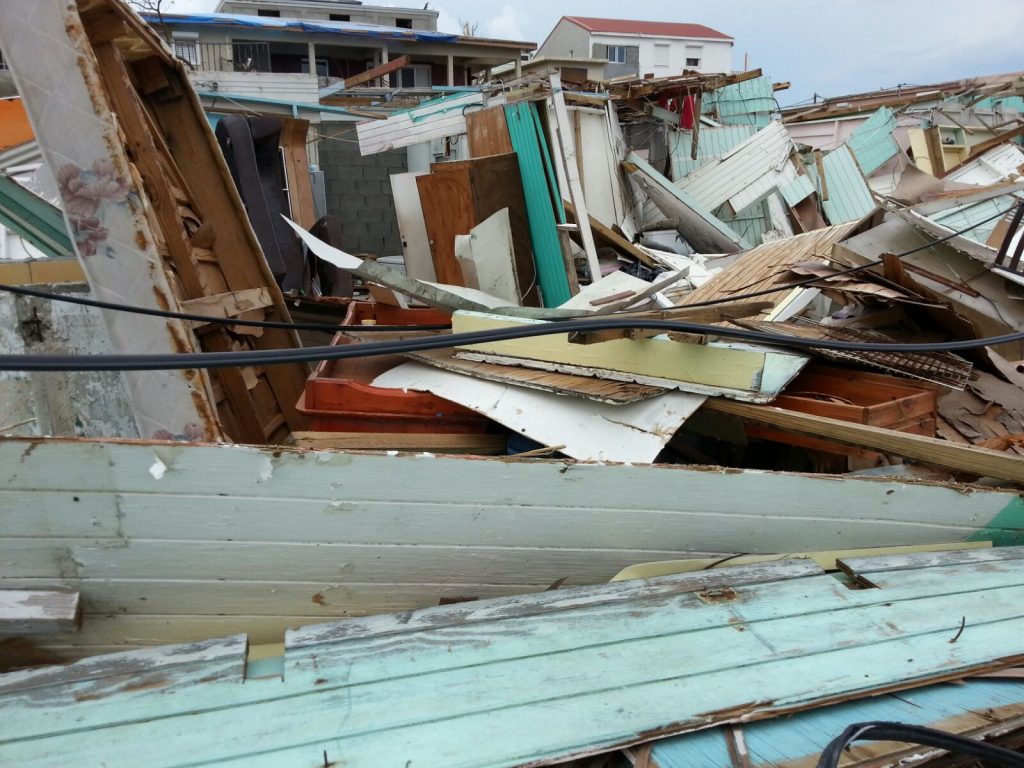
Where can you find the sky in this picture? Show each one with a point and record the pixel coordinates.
(824, 47)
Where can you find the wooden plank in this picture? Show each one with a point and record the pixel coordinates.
(829, 561)
(686, 363)
(231, 649)
(559, 383)
(689, 314)
(971, 460)
(34, 612)
(550, 602)
(864, 566)
(613, 238)
(403, 441)
(567, 155)
(230, 304)
(376, 72)
(296, 167)
(487, 132)
(558, 672)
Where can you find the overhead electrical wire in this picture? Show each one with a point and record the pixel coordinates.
(212, 360)
(163, 362)
(19, 290)
(214, 320)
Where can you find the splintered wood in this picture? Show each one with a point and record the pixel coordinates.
(213, 260)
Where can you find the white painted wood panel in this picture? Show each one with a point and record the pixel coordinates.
(412, 227)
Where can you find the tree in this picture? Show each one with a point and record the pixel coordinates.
(154, 8)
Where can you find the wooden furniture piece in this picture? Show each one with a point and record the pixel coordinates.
(457, 196)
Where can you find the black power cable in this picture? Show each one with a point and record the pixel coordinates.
(136, 310)
(164, 362)
(988, 754)
(22, 291)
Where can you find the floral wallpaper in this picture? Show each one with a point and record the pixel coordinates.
(86, 194)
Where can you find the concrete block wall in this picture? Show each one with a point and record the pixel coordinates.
(359, 192)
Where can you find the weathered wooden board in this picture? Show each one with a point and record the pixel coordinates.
(434, 119)
(264, 536)
(487, 132)
(37, 611)
(536, 679)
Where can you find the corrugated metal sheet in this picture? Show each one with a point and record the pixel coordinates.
(748, 103)
(849, 198)
(547, 251)
(711, 143)
(745, 175)
(872, 143)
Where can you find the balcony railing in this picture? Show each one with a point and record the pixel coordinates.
(224, 57)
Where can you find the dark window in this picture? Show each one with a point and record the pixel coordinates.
(403, 23)
(273, 14)
(250, 56)
(617, 54)
(340, 17)
(693, 62)
(3, 64)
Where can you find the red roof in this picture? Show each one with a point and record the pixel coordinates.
(655, 28)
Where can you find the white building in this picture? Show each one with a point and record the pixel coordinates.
(640, 47)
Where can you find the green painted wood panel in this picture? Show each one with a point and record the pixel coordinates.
(231, 538)
(547, 251)
(872, 142)
(526, 686)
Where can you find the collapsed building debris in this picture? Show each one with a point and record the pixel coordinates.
(640, 328)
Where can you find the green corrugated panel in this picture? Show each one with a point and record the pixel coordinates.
(34, 219)
(711, 143)
(540, 212)
(872, 142)
(548, 168)
(849, 198)
(748, 103)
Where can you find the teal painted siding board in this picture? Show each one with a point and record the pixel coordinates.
(711, 143)
(872, 142)
(540, 211)
(539, 678)
(33, 218)
(783, 741)
(748, 103)
(849, 198)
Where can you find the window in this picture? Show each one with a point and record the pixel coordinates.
(187, 50)
(692, 62)
(617, 54)
(340, 17)
(693, 54)
(416, 76)
(3, 62)
(661, 54)
(403, 23)
(321, 66)
(272, 14)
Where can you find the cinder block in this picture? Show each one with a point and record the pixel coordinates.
(353, 201)
(377, 173)
(379, 200)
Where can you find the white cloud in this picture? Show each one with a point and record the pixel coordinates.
(507, 25)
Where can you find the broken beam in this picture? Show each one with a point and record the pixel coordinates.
(929, 450)
(379, 71)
